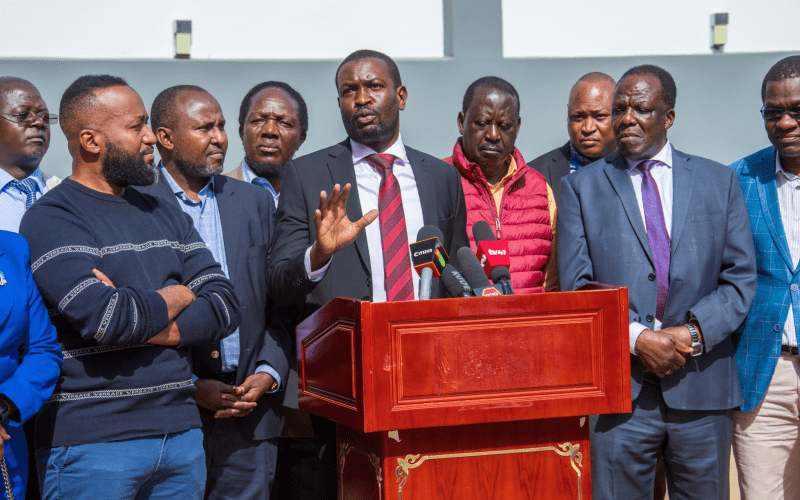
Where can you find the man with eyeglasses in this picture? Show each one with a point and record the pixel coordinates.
(673, 228)
(24, 137)
(766, 433)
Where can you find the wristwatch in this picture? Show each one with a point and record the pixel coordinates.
(697, 346)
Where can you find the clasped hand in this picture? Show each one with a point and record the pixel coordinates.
(232, 401)
(664, 352)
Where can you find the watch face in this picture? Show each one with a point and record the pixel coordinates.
(697, 348)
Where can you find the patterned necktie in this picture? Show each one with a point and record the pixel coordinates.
(656, 232)
(396, 261)
(26, 186)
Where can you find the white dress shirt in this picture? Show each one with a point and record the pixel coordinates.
(789, 201)
(12, 200)
(368, 181)
(662, 175)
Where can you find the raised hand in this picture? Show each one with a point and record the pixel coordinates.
(334, 230)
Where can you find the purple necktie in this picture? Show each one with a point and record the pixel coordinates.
(656, 232)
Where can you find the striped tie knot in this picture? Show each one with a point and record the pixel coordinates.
(382, 162)
(26, 186)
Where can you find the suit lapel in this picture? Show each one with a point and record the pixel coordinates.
(770, 207)
(164, 190)
(231, 217)
(340, 165)
(616, 169)
(682, 184)
(425, 187)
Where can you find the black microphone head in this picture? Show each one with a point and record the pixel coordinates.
(482, 232)
(455, 284)
(499, 273)
(430, 231)
(471, 268)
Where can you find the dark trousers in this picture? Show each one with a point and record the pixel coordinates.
(237, 468)
(695, 445)
(307, 466)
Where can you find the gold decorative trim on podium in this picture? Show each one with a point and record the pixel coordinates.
(344, 449)
(404, 465)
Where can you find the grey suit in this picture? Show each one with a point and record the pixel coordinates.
(602, 238)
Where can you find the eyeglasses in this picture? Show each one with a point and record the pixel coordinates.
(27, 117)
(772, 115)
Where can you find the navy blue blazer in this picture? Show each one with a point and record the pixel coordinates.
(246, 213)
(758, 344)
(602, 238)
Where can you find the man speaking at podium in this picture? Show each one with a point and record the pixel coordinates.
(326, 244)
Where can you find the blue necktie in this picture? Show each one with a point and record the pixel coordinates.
(656, 232)
(27, 186)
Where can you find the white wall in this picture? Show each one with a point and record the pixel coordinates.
(590, 28)
(227, 29)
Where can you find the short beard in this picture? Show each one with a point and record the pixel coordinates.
(127, 169)
(268, 171)
(201, 171)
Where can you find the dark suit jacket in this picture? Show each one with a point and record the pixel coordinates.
(602, 238)
(553, 166)
(349, 274)
(246, 213)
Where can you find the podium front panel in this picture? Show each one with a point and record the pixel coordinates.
(465, 361)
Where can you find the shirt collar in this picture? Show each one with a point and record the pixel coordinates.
(576, 159)
(664, 156)
(781, 173)
(248, 175)
(206, 192)
(36, 175)
(397, 149)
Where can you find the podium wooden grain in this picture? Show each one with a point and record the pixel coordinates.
(466, 398)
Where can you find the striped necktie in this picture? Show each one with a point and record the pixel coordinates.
(396, 261)
(27, 186)
(656, 232)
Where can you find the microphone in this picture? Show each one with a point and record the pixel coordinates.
(455, 284)
(493, 256)
(474, 273)
(428, 257)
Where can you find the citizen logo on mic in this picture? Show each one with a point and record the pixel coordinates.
(423, 252)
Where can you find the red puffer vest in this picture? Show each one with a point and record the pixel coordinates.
(524, 219)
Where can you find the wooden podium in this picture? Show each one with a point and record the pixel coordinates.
(472, 398)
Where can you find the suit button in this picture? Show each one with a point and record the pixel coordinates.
(651, 277)
(649, 318)
(793, 287)
(214, 354)
(369, 282)
(777, 328)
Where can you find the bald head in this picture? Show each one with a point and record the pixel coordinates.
(589, 115)
(11, 83)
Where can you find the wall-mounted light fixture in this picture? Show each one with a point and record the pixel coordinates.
(183, 39)
(719, 31)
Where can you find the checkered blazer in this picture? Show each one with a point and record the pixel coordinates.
(758, 342)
